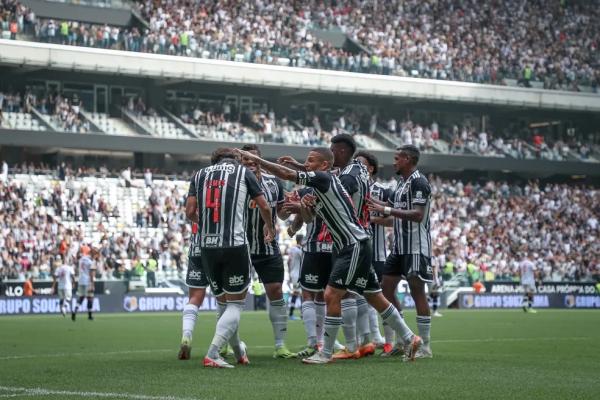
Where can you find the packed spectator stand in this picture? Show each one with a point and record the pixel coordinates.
(546, 44)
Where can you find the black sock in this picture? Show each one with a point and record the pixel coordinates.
(292, 303)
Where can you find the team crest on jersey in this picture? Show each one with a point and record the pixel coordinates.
(419, 194)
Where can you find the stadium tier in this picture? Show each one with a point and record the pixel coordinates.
(445, 40)
(43, 217)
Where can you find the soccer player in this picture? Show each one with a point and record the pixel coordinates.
(196, 282)
(86, 282)
(218, 201)
(315, 270)
(65, 276)
(354, 177)
(351, 268)
(381, 193)
(294, 254)
(408, 208)
(266, 257)
(528, 272)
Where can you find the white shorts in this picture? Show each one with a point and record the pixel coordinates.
(528, 287)
(64, 294)
(82, 290)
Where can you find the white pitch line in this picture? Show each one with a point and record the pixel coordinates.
(21, 391)
(480, 340)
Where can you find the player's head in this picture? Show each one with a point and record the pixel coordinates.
(406, 157)
(248, 163)
(319, 159)
(369, 161)
(221, 154)
(343, 147)
(299, 238)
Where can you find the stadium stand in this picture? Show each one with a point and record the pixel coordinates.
(43, 216)
(449, 39)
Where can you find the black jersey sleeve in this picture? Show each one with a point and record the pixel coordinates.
(254, 189)
(350, 183)
(420, 191)
(316, 179)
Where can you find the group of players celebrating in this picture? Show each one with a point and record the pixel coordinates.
(346, 276)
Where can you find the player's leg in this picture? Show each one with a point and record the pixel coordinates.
(525, 300)
(349, 316)
(375, 333)
(197, 282)
(530, 299)
(309, 319)
(271, 273)
(81, 293)
(229, 273)
(393, 271)
(435, 302)
(90, 304)
(419, 274)
(61, 301)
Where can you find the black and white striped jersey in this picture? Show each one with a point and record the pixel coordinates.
(381, 193)
(355, 179)
(318, 239)
(412, 237)
(194, 242)
(335, 207)
(223, 192)
(273, 191)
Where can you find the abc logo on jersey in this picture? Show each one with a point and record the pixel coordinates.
(130, 303)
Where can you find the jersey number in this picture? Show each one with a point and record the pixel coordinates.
(213, 198)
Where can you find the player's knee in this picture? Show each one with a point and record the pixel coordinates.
(197, 296)
(274, 291)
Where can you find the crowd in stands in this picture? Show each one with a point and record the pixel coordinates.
(552, 42)
(483, 229)
(480, 230)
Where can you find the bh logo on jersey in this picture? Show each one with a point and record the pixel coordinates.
(211, 241)
(361, 283)
(310, 278)
(236, 280)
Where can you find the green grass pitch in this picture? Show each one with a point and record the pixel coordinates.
(477, 355)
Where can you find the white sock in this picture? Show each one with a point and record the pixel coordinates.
(278, 317)
(349, 314)
(226, 328)
(374, 325)
(332, 325)
(220, 309)
(362, 321)
(424, 327)
(392, 317)
(190, 313)
(309, 318)
(320, 312)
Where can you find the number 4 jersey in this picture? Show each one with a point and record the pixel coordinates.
(223, 192)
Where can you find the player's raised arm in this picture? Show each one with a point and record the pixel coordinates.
(279, 171)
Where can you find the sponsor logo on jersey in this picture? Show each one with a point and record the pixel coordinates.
(311, 278)
(211, 240)
(236, 280)
(194, 274)
(361, 283)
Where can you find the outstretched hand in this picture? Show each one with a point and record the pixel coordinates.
(374, 206)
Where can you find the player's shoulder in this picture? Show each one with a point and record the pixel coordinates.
(420, 180)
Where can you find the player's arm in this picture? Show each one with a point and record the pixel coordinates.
(282, 212)
(385, 221)
(290, 162)
(307, 208)
(350, 183)
(265, 214)
(420, 192)
(191, 203)
(296, 225)
(279, 171)
(255, 192)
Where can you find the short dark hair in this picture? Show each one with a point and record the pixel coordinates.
(251, 147)
(299, 238)
(325, 153)
(371, 160)
(222, 153)
(345, 139)
(412, 151)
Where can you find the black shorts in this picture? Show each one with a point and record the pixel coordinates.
(268, 268)
(352, 269)
(379, 266)
(409, 265)
(227, 269)
(315, 271)
(195, 277)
